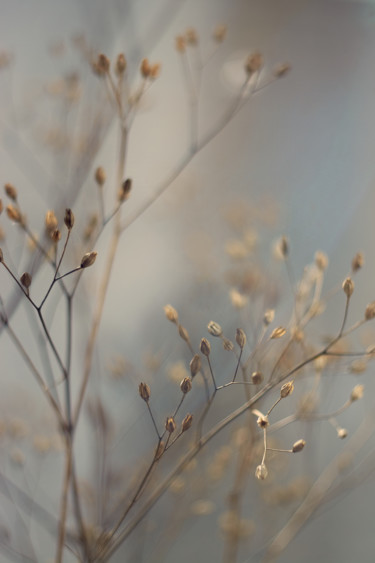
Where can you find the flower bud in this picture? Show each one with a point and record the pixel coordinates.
(26, 279)
(14, 214)
(240, 338)
(370, 311)
(170, 424)
(100, 176)
(195, 365)
(186, 385)
(144, 391)
(11, 191)
(357, 393)
(125, 190)
(171, 313)
(286, 389)
(69, 219)
(205, 347)
(88, 259)
(261, 472)
(278, 332)
(348, 287)
(253, 63)
(187, 422)
(120, 64)
(256, 377)
(298, 446)
(214, 328)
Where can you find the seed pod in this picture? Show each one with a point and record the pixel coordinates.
(14, 214)
(253, 63)
(214, 328)
(11, 191)
(69, 219)
(26, 279)
(51, 221)
(88, 259)
(145, 68)
(56, 235)
(261, 472)
(286, 389)
(282, 70)
(219, 33)
(170, 424)
(125, 190)
(205, 347)
(187, 422)
(102, 64)
(257, 377)
(227, 344)
(183, 333)
(120, 64)
(357, 262)
(195, 365)
(240, 338)
(342, 433)
(321, 260)
(171, 313)
(268, 317)
(348, 287)
(278, 332)
(144, 391)
(370, 311)
(186, 385)
(298, 446)
(357, 393)
(100, 176)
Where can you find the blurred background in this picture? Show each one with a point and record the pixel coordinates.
(297, 160)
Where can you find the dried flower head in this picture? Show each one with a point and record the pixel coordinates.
(170, 424)
(240, 338)
(125, 190)
(155, 71)
(348, 287)
(100, 176)
(268, 317)
(219, 33)
(253, 63)
(342, 433)
(357, 262)
(120, 67)
(370, 311)
(11, 191)
(180, 44)
(262, 420)
(277, 332)
(227, 344)
(144, 391)
(286, 389)
(183, 333)
(214, 328)
(187, 422)
(298, 446)
(186, 385)
(357, 393)
(69, 219)
(51, 221)
(195, 365)
(321, 260)
(145, 68)
(205, 347)
(26, 279)
(281, 248)
(171, 314)
(102, 65)
(88, 259)
(261, 472)
(14, 214)
(256, 377)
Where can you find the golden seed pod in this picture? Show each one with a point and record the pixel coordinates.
(155, 70)
(348, 287)
(282, 70)
(125, 190)
(220, 33)
(286, 389)
(51, 221)
(357, 393)
(180, 43)
(240, 338)
(26, 280)
(268, 317)
(145, 68)
(183, 333)
(298, 446)
(214, 328)
(342, 433)
(102, 64)
(278, 332)
(144, 391)
(227, 345)
(195, 365)
(253, 63)
(256, 377)
(88, 259)
(14, 214)
(261, 472)
(11, 191)
(186, 385)
(357, 262)
(171, 314)
(187, 422)
(191, 36)
(55, 235)
(69, 219)
(170, 424)
(100, 176)
(370, 311)
(205, 347)
(321, 260)
(121, 63)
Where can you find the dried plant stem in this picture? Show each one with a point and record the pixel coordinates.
(64, 499)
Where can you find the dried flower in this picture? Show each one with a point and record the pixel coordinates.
(69, 219)
(262, 420)
(348, 287)
(257, 377)
(261, 472)
(227, 344)
(370, 311)
(187, 422)
(170, 424)
(88, 259)
(253, 63)
(183, 333)
(357, 262)
(26, 279)
(171, 313)
(120, 64)
(342, 433)
(357, 393)
(14, 214)
(101, 65)
(100, 176)
(195, 365)
(277, 332)
(268, 316)
(51, 221)
(145, 68)
(125, 190)
(144, 391)
(186, 385)
(214, 328)
(286, 389)
(321, 260)
(298, 446)
(240, 338)
(205, 347)
(282, 70)
(11, 191)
